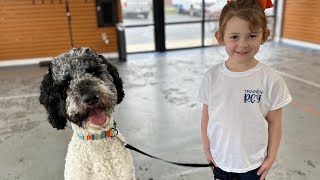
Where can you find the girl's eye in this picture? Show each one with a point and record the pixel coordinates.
(252, 36)
(234, 37)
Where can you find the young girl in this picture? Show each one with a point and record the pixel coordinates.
(242, 98)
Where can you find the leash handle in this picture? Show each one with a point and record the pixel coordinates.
(175, 163)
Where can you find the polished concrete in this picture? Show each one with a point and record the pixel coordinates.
(161, 115)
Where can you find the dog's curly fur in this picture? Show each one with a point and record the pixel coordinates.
(77, 84)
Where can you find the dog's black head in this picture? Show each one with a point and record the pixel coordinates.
(80, 86)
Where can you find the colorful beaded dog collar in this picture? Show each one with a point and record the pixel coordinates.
(104, 134)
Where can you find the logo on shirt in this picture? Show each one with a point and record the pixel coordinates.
(252, 96)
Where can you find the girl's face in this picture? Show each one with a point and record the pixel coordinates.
(241, 44)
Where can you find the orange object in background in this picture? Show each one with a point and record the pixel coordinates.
(265, 4)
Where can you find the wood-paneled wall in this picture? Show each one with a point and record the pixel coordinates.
(85, 30)
(301, 20)
(39, 28)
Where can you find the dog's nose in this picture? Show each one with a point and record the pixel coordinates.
(90, 98)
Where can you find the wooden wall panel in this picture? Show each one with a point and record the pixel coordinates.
(39, 28)
(85, 28)
(301, 20)
(30, 29)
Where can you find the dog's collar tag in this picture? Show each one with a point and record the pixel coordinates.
(104, 134)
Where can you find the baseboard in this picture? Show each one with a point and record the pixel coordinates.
(44, 61)
(302, 44)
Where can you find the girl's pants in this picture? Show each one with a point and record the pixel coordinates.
(219, 174)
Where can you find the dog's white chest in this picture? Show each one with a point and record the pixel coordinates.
(98, 159)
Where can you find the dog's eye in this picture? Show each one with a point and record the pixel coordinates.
(95, 70)
(68, 79)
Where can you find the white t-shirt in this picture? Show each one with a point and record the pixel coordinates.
(238, 103)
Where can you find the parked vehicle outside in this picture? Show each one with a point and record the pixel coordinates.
(133, 8)
(191, 7)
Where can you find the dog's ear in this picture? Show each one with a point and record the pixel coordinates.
(117, 81)
(53, 97)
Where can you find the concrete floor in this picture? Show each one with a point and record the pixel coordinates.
(160, 115)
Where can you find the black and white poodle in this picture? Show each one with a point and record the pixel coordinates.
(82, 87)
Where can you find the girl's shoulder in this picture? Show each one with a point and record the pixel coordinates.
(214, 69)
(270, 72)
(211, 74)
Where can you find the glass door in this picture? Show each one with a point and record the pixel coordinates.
(138, 20)
(185, 24)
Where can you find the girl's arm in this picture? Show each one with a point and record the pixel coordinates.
(274, 119)
(204, 126)
(204, 137)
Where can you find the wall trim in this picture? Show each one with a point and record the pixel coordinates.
(23, 62)
(40, 61)
(301, 43)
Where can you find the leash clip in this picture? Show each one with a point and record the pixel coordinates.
(115, 131)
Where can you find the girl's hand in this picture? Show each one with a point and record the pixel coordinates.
(209, 158)
(265, 167)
